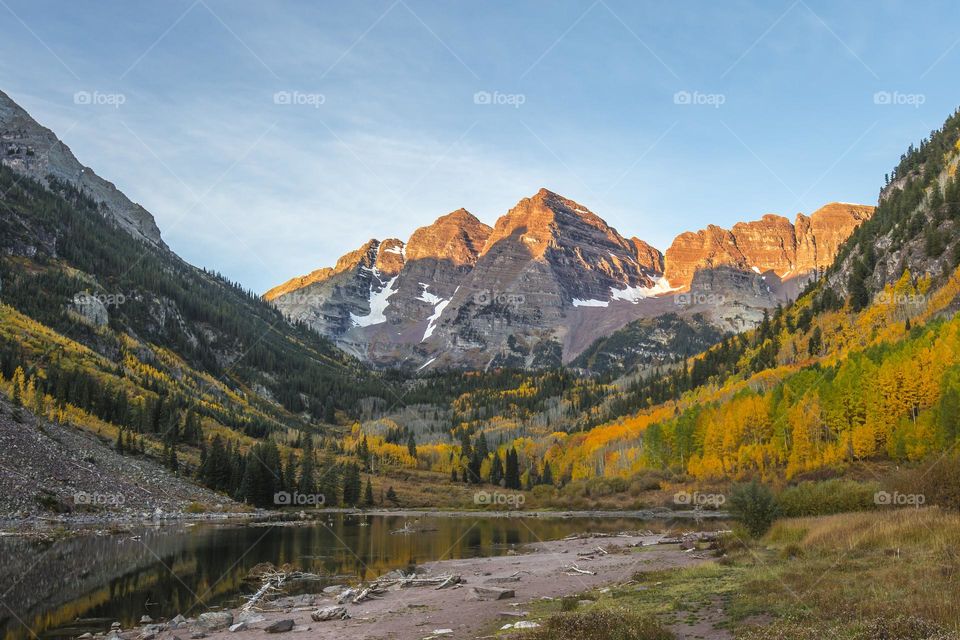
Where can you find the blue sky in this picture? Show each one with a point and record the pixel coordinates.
(270, 138)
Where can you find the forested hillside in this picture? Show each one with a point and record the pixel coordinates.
(121, 337)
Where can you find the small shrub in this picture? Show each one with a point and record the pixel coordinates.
(905, 628)
(937, 480)
(786, 533)
(569, 603)
(755, 506)
(600, 624)
(195, 507)
(792, 550)
(49, 501)
(826, 498)
(645, 482)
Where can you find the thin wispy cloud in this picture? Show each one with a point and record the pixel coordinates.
(462, 105)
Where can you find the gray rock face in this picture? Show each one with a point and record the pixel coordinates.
(90, 309)
(35, 151)
(352, 293)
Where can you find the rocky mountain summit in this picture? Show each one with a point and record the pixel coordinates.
(35, 151)
(549, 280)
(772, 243)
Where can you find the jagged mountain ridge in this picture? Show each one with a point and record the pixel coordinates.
(772, 243)
(35, 151)
(552, 277)
(78, 257)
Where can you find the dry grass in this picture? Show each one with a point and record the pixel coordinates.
(857, 568)
(881, 575)
(600, 624)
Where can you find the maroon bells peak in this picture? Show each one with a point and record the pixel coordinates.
(547, 280)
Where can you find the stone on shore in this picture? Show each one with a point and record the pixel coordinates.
(489, 593)
(214, 620)
(329, 613)
(280, 626)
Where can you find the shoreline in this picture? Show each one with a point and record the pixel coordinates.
(80, 524)
(488, 593)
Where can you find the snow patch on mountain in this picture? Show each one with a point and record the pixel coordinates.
(432, 320)
(379, 301)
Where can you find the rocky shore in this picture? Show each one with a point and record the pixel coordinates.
(465, 598)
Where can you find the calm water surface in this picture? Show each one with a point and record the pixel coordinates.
(84, 583)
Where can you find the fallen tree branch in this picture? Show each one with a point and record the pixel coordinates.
(574, 569)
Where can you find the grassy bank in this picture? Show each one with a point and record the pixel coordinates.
(889, 574)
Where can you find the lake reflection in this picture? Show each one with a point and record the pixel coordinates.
(84, 583)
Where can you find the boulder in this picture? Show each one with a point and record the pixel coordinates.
(280, 626)
(489, 593)
(334, 590)
(214, 620)
(90, 309)
(329, 613)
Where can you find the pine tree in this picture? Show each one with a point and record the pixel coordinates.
(290, 473)
(512, 473)
(363, 452)
(328, 481)
(351, 485)
(368, 494)
(412, 446)
(216, 472)
(262, 474)
(305, 483)
(496, 469)
(816, 342)
(547, 474)
(172, 460)
(19, 383)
